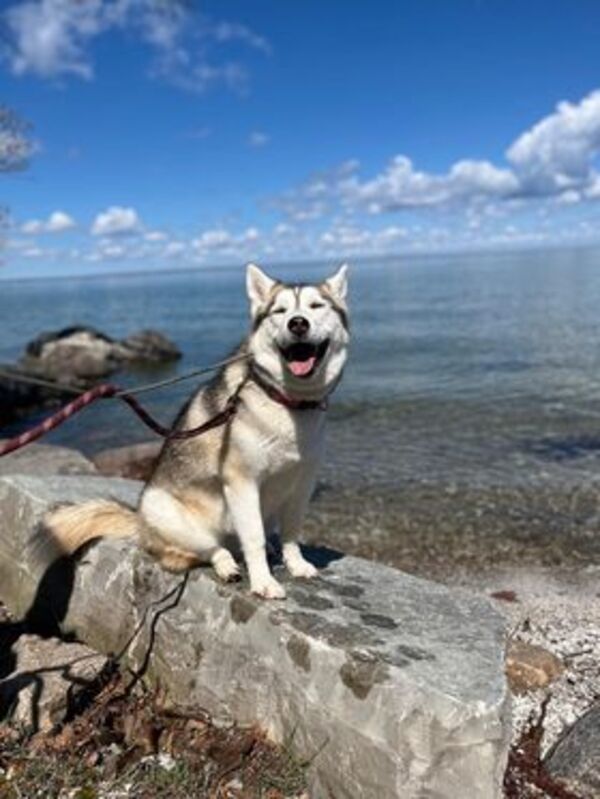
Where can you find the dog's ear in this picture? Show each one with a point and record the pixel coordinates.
(258, 286)
(338, 283)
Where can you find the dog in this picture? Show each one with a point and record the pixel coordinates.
(258, 469)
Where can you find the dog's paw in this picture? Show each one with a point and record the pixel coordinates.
(225, 566)
(268, 588)
(301, 568)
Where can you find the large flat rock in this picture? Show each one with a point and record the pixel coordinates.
(395, 684)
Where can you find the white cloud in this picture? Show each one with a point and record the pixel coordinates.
(250, 235)
(174, 248)
(217, 239)
(49, 36)
(471, 228)
(402, 186)
(112, 251)
(53, 38)
(552, 160)
(57, 222)
(592, 191)
(116, 221)
(220, 243)
(346, 239)
(557, 153)
(32, 252)
(282, 229)
(32, 227)
(258, 139)
(155, 235)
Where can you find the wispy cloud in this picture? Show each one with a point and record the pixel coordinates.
(234, 32)
(54, 39)
(258, 139)
(155, 235)
(198, 134)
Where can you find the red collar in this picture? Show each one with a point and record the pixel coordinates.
(283, 399)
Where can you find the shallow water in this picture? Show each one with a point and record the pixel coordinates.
(474, 376)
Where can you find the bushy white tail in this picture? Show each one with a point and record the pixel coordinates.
(72, 526)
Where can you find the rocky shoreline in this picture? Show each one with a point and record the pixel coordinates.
(552, 612)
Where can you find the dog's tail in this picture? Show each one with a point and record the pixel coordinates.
(72, 526)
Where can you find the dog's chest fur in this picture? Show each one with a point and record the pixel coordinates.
(276, 442)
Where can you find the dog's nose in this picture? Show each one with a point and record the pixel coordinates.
(299, 326)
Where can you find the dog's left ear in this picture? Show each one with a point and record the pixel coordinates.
(338, 283)
(258, 286)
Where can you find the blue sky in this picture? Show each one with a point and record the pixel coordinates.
(170, 136)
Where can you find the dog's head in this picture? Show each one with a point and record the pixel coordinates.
(299, 333)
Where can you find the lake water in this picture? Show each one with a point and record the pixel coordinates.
(470, 406)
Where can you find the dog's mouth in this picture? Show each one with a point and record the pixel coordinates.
(302, 358)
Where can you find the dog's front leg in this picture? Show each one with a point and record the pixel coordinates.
(243, 501)
(292, 516)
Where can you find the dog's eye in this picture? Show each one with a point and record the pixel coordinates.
(315, 305)
(278, 310)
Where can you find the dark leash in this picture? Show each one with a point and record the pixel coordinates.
(111, 391)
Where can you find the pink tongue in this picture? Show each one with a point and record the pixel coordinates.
(301, 368)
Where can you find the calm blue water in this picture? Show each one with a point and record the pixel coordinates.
(474, 369)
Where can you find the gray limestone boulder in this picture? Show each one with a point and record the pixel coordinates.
(45, 460)
(575, 758)
(394, 685)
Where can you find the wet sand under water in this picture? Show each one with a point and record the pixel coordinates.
(451, 491)
(455, 534)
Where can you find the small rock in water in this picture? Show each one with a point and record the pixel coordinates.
(150, 345)
(82, 354)
(76, 357)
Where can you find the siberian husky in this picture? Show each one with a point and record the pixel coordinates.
(258, 469)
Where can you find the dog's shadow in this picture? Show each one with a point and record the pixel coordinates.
(43, 618)
(320, 557)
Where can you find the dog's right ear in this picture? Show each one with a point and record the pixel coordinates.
(258, 286)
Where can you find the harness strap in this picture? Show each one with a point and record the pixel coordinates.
(288, 402)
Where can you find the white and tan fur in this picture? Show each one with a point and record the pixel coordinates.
(253, 474)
